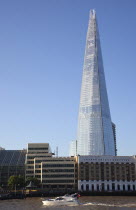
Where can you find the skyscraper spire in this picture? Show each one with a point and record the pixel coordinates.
(95, 134)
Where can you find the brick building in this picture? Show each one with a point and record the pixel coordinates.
(107, 173)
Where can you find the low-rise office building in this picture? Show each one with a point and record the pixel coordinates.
(54, 173)
(59, 173)
(35, 150)
(106, 173)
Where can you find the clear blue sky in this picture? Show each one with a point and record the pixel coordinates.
(42, 46)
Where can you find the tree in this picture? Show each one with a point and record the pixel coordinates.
(18, 181)
(34, 180)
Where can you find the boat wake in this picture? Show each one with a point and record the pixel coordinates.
(108, 205)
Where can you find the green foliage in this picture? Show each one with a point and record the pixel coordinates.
(16, 181)
(34, 180)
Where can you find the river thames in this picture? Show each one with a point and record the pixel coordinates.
(86, 203)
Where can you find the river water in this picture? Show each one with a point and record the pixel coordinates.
(86, 203)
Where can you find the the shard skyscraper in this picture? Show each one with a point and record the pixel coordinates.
(95, 134)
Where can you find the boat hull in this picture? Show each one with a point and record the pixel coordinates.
(60, 203)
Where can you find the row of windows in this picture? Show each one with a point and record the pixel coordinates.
(107, 187)
(30, 162)
(43, 148)
(39, 161)
(112, 168)
(57, 170)
(38, 166)
(120, 162)
(29, 172)
(58, 165)
(38, 171)
(32, 157)
(107, 164)
(107, 171)
(37, 176)
(107, 179)
(55, 160)
(58, 175)
(58, 186)
(58, 181)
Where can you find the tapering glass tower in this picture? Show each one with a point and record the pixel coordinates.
(95, 134)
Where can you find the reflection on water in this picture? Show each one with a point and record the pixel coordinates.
(86, 203)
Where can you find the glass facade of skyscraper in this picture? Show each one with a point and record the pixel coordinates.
(95, 134)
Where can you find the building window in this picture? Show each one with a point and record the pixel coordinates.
(87, 187)
(97, 187)
(128, 187)
(118, 187)
(113, 186)
(103, 186)
(123, 187)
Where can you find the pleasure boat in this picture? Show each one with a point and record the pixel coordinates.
(61, 201)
